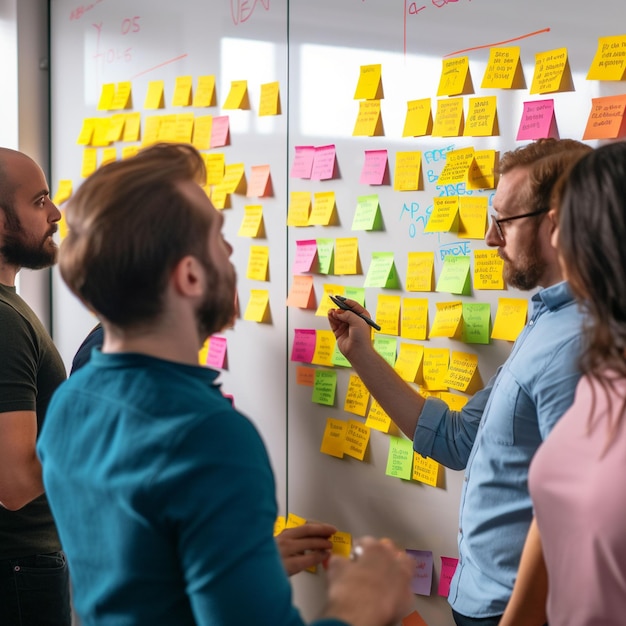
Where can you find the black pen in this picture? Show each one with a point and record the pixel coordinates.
(340, 302)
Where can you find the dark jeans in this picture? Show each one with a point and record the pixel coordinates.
(461, 620)
(35, 591)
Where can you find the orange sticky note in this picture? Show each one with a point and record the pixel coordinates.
(301, 293)
(606, 119)
(259, 184)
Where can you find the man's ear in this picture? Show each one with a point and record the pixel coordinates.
(188, 277)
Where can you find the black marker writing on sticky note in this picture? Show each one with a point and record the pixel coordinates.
(340, 302)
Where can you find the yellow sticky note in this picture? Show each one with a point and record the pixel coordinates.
(258, 263)
(414, 318)
(269, 103)
(346, 255)
(108, 155)
(368, 122)
(455, 77)
(237, 96)
(151, 130)
(301, 293)
(215, 164)
(377, 418)
(482, 117)
(388, 314)
(324, 347)
(454, 401)
(201, 139)
(167, 128)
(425, 470)
(86, 132)
(482, 170)
(132, 127)
(488, 270)
(106, 97)
(420, 271)
(154, 96)
(419, 118)
(204, 95)
(184, 127)
(234, 180)
(90, 162)
(449, 119)
(323, 208)
(447, 319)
(325, 302)
(457, 166)
(101, 132)
(299, 208)
(551, 72)
(220, 197)
(252, 221)
(293, 521)
(473, 216)
(435, 368)
(357, 396)
(342, 543)
(461, 370)
(504, 70)
(334, 437)
(357, 438)
(116, 127)
(182, 91)
(409, 360)
(407, 171)
(369, 86)
(129, 151)
(259, 185)
(510, 318)
(443, 218)
(63, 192)
(258, 305)
(609, 62)
(279, 525)
(122, 98)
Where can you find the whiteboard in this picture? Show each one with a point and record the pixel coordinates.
(315, 51)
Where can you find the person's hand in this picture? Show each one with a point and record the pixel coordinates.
(304, 546)
(373, 587)
(351, 332)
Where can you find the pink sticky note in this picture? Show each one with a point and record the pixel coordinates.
(303, 345)
(323, 163)
(538, 121)
(373, 171)
(306, 251)
(422, 578)
(303, 163)
(259, 181)
(217, 352)
(448, 565)
(219, 131)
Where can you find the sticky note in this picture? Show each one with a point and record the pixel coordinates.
(447, 322)
(419, 118)
(301, 293)
(90, 162)
(338, 359)
(324, 387)
(86, 132)
(269, 102)
(504, 70)
(299, 208)
(342, 543)
(305, 376)
(510, 318)
(279, 525)
(182, 91)
(409, 360)
(252, 222)
(116, 127)
(346, 255)
(325, 302)
(357, 396)
(606, 118)
(323, 163)
(215, 164)
(167, 128)
(123, 96)
(306, 256)
(324, 346)
(323, 211)
(237, 96)
(374, 167)
(473, 216)
(369, 86)
(183, 127)
(259, 184)
(609, 61)
(482, 117)
(303, 345)
(387, 347)
(455, 77)
(422, 577)
(382, 271)
(204, 95)
(325, 255)
(132, 127)
(400, 458)
(414, 618)
(448, 567)
(258, 306)
(482, 171)
(355, 293)
(538, 121)
(220, 128)
(449, 118)
(367, 214)
(368, 122)
(407, 171)
(129, 151)
(461, 370)
(106, 97)
(435, 366)
(454, 277)
(100, 135)
(377, 418)
(476, 317)
(457, 166)
(420, 271)
(444, 216)
(302, 166)
(388, 314)
(234, 178)
(552, 72)
(258, 263)
(154, 95)
(108, 155)
(152, 126)
(454, 401)
(293, 521)
(201, 138)
(334, 437)
(414, 318)
(488, 270)
(220, 198)
(216, 355)
(425, 470)
(63, 192)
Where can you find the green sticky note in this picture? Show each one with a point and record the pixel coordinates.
(325, 254)
(324, 387)
(382, 271)
(455, 275)
(357, 294)
(400, 459)
(476, 317)
(367, 215)
(387, 347)
(337, 358)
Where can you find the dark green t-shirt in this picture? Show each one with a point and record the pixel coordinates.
(30, 371)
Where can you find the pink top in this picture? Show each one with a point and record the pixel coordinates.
(579, 492)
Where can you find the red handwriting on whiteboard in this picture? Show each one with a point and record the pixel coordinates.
(114, 54)
(242, 10)
(78, 12)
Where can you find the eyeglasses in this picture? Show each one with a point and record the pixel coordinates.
(498, 222)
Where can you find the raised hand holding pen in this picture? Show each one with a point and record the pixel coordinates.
(352, 332)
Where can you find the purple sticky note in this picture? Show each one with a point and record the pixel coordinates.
(219, 131)
(303, 345)
(303, 162)
(306, 252)
(422, 578)
(448, 565)
(323, 163)
(374, 166)
(217, 352)
(538, 121)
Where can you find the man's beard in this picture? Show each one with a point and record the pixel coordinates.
(218, 308)
(20, 251)
(528, 270)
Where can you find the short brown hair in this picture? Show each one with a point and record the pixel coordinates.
(129, 225)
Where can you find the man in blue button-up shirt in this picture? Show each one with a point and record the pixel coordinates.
(496, 434)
